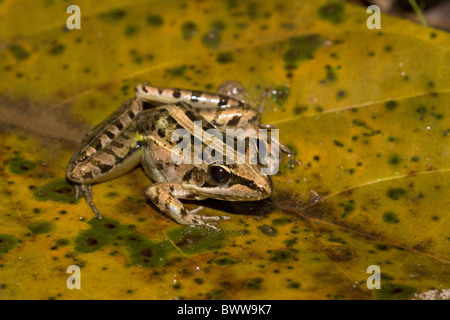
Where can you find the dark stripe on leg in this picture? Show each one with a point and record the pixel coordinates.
(110, 135)
(195, 96)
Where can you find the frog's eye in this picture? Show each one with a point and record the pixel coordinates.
(220, 173)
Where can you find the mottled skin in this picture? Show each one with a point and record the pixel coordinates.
(140, 132)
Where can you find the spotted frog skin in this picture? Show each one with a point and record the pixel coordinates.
(140, 132)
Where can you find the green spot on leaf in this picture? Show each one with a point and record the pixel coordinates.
(290, 242)
(330, 75)
(60, 243)
(268, 230)
(421, 109)
(212, 39)
(223, 261)
(300, 48)
(393, 291)
(216, 294)
(254, 283)
(57, 49)
(131, 30)
(125, 89)
(332, 12)
(390, 217)
(280, 256)
(58, 190)
(224, 57)
(189, 29)
(341, 94)
(382, 247)
(21, 166)
(394, 159)
(177, 71)
(89, 241)
(141, 251)
(155, 20)
(176, 286)
(338, 143)
(196, 240)
(111, 194)
(294, 285)
(395, 193)
(280, 95)
(281, 221)
(7, 242)
(298, 110)
(114, 15)
(40, 227)
(337, 240)
(348, 207)
(146, 253)
(18, 52)
(218, 25)
(136, 199)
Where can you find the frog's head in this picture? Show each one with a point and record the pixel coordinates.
(229, 182)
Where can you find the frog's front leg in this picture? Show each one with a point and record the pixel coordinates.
(165, 196)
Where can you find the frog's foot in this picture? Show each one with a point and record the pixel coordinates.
(85, 190)
(274, 141)
(191, 218)
(286, 150)
(165, 197)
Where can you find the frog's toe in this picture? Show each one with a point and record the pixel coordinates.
(85, 190)
(217, 218)
(199, 217)
(206, 224)
(77, 191)
(194, 211)
(209, 218)
(98, 215)
(201, 220)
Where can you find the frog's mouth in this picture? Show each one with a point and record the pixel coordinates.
(233, 191)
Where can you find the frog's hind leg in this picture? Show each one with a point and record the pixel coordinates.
(115, 158)
(86, 191)
(198, 99)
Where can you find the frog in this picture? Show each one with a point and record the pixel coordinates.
(140, 132)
